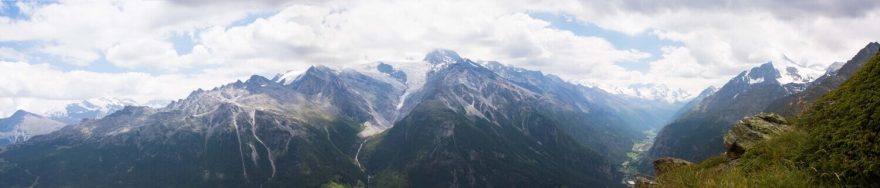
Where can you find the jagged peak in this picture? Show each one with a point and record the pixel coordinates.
(834, 67)
(873, 45)
(257, 78)
(780, 72)
(132, 110)
(291, 76)
(319, 69)
(23, 113)
(708, 91)
(442, 56)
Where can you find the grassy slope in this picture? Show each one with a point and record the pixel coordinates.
(836, 144)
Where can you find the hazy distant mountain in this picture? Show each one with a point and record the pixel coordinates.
(695, 101)
(652, 92)
(443, 121)
(90, 109)
(23, 125)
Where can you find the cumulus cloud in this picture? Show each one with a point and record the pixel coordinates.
(781, 8)
(337, 37)
(41, 87)
(81, 31)
(144, 53)
(233, 39)
(732, 36)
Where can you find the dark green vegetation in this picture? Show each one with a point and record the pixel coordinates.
(845, 127)
(835, 143)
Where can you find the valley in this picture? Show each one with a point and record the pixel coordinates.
(634, 156)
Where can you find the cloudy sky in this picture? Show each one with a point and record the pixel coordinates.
(57, 52)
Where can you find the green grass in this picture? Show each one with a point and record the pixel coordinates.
(845, 125)
(772, 163)
(334, 184)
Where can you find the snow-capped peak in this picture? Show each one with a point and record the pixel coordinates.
(90, 108)
(834, 67)
(651, 92)
(442, 56)
(783, 72)
(104, 103)
(287, 77)
(708, 91)
(291, 76)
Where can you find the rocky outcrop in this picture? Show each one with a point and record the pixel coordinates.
(642, 182)
(744, 135)
(666, 164)
(752, 130)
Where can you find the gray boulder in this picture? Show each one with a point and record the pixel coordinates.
(663, 165)
(752, 130)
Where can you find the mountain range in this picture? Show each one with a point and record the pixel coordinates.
(445, 121)
(89, 109)
(23, 125)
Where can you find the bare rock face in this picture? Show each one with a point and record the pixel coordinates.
(752, 130)
(666, 164)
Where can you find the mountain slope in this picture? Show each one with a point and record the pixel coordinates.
(473, 128)
(23, 125)
(845, 127)
(638, 113)
(695, 101)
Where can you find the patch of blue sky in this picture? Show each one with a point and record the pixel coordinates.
(251, 18)
(183, 43)
(644, 42)
(20, 45)
(11, 9)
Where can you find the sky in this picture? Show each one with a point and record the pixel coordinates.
(57, 52)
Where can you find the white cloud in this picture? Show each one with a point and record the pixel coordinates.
(738, 35)
(145, 53)
(10, 54)
(719, 40)
(40, 87)
(371, 32)
(81, 31)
